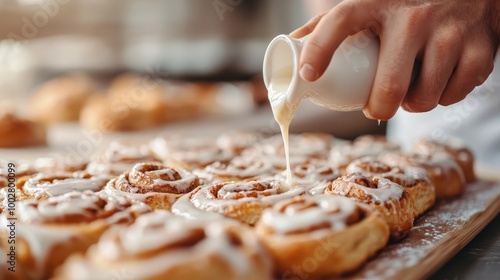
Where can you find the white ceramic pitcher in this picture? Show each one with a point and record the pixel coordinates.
(347, 81)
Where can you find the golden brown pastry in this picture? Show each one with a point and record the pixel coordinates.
(162, 246)
(16, 132)
(445, 174)
(44, 185)
(242, 201)
(461, 154)
(62, 98)
(413, 179)
(390, 199)
(319, 236)
(48, 231)
(343, 153)
(107, 115)
(157, 185)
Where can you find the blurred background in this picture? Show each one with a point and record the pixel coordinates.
(182, 43)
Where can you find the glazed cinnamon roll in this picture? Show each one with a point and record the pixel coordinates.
(461, 154)
(413, 179)
(157, 185)
(314, 174)
(239, 169)
(119, 157)
(445, 174)
(367, 145)
(242, 201)
(321, 235)
(188, 152)
(162, 246)
(42, 186)
(390, 199)
(48, 231)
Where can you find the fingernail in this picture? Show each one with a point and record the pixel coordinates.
(367, 114)
(308, 73)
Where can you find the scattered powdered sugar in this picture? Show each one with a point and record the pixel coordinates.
(446, 217)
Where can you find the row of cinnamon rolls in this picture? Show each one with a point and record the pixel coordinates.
(223, 202)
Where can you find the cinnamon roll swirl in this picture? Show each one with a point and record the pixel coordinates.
(390, 199)
(321, 235)
(119, 157)
(162, 246)
(239, 169)
(461, 154)
(314, 174)
(413, 179)
(367, 145)
(48, 231)
(42, 186)
(157, 185)
(445, 174)
(243, 201)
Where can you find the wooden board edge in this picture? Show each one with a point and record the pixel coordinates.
(448, 246)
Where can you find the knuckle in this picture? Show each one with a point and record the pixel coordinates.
(391, 89)
(420, 103)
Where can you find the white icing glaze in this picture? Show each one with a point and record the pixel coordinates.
(410, 175)
(204, 204)
(163, 230)
(385, 191)
(332, 210)
(185, 208)
(37, 186)
(241, 168)
(182, 185)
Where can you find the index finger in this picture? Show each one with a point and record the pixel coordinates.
(345, 19)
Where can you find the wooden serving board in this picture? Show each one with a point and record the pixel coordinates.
(437, 236)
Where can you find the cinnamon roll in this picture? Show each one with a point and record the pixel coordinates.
(445, 174)
(62, 98)
(48, 231)
(19, 132)
(319, 236)
(42, 186)
(366, 145)
(413, 179)
(390, 199)
(119, 157)
(157, 185)
(243, 201)
(313, 174)
(239, 169)
(461, 154)
(161, 246)
(188, 152)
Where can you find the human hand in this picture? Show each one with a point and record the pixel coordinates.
(455, 42)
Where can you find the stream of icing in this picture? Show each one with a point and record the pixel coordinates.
(283, 110)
